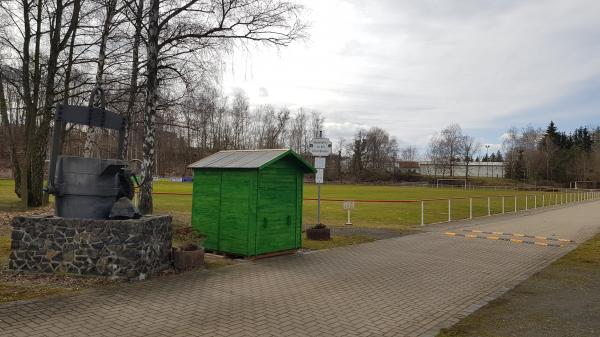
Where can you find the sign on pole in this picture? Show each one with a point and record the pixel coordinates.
(320, 147)
(320, 162)
(349, 205)
(319, 176)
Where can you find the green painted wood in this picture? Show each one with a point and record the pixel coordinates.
(250, 211)
(299, 163)
(235, 206)
(277, 193)
(299, 199)
(206, 206)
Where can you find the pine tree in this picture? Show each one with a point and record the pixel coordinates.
(551, 131)
(499, 157)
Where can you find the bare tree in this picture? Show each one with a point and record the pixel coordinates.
(451, 138)
(298, 132)
(409, 153)
(47, 27)
(185, 27)
(470, 146)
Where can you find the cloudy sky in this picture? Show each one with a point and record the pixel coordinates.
(414, 66)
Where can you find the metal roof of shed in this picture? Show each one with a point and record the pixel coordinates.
(248, 159)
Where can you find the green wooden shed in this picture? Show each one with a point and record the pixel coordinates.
(249, 202)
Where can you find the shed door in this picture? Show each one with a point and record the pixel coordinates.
(233, 229)
(276, 221)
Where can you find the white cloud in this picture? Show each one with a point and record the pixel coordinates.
(415, 66)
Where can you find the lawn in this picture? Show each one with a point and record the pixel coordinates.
(8, 199)
(375, 215)
(378, 215)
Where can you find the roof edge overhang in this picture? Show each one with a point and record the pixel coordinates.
(308, 168)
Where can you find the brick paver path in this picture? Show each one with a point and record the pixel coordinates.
(406, 286)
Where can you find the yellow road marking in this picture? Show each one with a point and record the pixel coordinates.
(518, 234)
(541, 237)
(499, 233)
(450, 233)
(540, 243)
(476, 231)
(493, 237)
(564, 240)
(516, 241)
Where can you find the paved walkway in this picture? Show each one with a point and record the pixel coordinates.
(405, 286)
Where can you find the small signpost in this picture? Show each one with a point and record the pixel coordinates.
(320, 148)
(349, 205)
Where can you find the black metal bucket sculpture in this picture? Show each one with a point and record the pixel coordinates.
(87, 187)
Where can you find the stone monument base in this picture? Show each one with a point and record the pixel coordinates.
(134, 248)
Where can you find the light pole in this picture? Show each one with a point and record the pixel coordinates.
(487, 162)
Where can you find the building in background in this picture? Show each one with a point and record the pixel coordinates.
(476, 169)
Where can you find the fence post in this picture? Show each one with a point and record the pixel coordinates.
(543, 200)
(470, 208)
(515, 203)
(526, 202)
(535, 201)
(449, 210)
(502, 204)
(422, 213)
(489, 208)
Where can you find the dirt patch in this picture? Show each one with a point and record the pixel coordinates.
(6, 217)
(561, 300)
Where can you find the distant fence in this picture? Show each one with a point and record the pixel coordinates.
(427, 211)
(438, 210)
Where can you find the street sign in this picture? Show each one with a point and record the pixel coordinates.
(319, 176)
(320, 162)
(320, 147)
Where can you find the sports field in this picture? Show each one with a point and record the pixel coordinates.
(383, 214)
(380, 214)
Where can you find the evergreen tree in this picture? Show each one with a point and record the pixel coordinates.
(499, 157)
(551, 132)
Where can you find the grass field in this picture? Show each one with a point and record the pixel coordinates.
(380, 215)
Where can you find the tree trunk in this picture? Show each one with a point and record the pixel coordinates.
(145, 205)
(11, 139)
(133, 84)
(91, 137)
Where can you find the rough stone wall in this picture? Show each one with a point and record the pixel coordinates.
(133, 248)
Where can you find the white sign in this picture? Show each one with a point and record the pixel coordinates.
(320, 147)
(319, 176)
(319, 162)
(348, 204)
